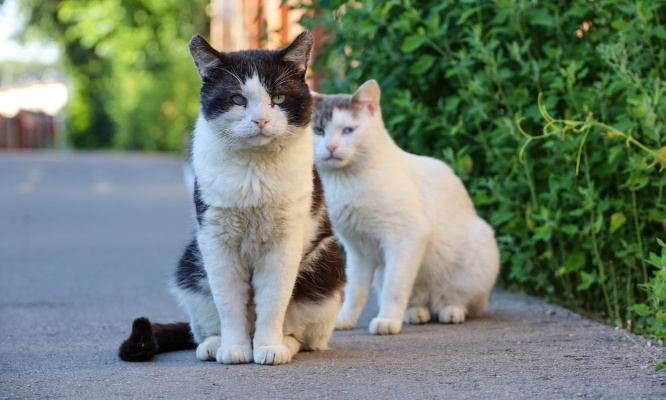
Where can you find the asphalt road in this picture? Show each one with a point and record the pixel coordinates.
(87, 243)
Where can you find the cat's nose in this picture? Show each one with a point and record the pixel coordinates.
(331, 147)
(261, 122)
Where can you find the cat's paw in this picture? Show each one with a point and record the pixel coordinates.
(451, 314)
(343, 323)
(272, 355)
(207, 349)
(417, 315)
(234, 354)
(385, 326)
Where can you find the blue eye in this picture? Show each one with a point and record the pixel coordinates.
(348, 130)
(318, 131)
(238, 100)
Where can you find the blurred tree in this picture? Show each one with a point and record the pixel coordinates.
(134, 84)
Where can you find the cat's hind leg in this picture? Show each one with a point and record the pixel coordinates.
(311, 323)
(417, 310)
(207, 349)
(417, 315)
(466, 292)
(291, 343)
(451, 314)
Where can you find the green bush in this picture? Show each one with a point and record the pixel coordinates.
(455, 78)
(653, 311)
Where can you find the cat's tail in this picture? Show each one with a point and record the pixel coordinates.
(147, 339)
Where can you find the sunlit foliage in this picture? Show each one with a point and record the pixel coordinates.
(134, 85)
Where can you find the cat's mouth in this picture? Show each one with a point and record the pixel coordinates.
(333, 160)
(259, 138)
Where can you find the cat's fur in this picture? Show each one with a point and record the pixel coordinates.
(263, 277)
(405, 221)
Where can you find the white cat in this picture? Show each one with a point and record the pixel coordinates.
(404, 220)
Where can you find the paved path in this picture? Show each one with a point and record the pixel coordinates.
(87, 243)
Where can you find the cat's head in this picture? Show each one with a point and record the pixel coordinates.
(251, 98)
(347, 126)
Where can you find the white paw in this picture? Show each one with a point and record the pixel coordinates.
(452, 314)
(272, 355)
(343, 323)
(417, 315)
(234, 354)
(206, 350)
(385, 326)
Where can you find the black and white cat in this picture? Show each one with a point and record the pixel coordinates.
(263, 276)
(405, 221)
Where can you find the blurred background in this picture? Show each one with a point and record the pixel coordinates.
(572, 181)
(117, 74)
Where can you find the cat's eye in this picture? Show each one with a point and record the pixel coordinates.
(278, 99)
(348, 130)
(318, 131)
(238, 100)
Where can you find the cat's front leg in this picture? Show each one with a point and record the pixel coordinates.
(229, 284)
(403, 256)
(273, 281)
(360, 271)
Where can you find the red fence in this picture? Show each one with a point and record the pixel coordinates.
(27, 130)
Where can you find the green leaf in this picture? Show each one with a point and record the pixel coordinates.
(640, 111)
(619, 24)
(433, 21)
(422, 65)
(542, 17)
(412, 43)
(587, 280)
(640, 309)
(576, 11)
(569, 229)
(617, 220)
(470, 11)
(543, 233)
(660, 366)
(500, 217)
(575, 261)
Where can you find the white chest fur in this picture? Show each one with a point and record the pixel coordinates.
(253, 177)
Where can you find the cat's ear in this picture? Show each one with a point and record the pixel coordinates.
(205, 57)
(299, 51)
(367, 96)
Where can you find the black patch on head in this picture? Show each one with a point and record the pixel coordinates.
(190, 272)
(324, 104)
(223, 75)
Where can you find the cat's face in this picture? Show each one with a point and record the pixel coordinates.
(345, 126)
(252, 98)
